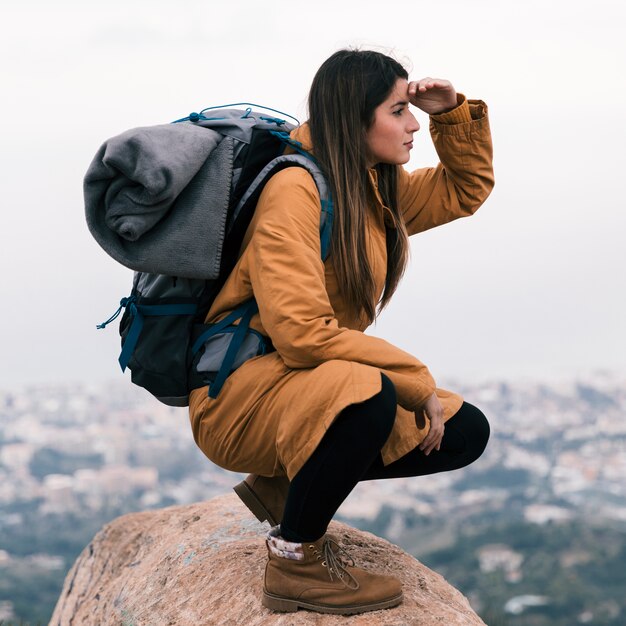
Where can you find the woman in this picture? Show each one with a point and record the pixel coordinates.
(331, 405)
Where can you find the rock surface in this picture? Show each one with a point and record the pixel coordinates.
(203, 564)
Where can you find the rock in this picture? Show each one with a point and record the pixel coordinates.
(203, 564)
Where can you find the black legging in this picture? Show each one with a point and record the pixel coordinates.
(350, 452)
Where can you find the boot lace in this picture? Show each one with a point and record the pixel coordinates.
(336, 559)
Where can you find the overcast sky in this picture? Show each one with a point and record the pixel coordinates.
(530, 287)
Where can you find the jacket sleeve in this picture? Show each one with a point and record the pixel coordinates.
(462, 181)
(287, 278)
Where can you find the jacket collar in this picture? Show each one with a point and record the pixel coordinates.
(302, 134)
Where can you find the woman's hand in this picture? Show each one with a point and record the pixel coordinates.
(434, 412)
(432, 95)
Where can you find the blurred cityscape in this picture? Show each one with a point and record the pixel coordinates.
(533, 533)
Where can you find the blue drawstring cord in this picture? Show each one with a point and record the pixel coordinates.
(252, 104)
(124, 302)
(196, 117)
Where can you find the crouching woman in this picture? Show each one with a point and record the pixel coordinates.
(332, 406)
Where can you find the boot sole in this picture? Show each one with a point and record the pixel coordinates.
(285, 605)
(250, 499)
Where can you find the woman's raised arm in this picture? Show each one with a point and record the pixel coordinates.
(462, 181)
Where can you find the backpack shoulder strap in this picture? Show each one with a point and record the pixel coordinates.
(307, 162)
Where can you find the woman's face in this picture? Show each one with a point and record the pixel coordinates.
(390, 137)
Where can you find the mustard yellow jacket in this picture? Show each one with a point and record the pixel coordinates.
(273, 411)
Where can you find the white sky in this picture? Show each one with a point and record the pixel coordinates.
(532, 286)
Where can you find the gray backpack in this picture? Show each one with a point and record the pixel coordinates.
(173, 203)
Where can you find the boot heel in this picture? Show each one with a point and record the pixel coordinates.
(278, 604)
(251, 501)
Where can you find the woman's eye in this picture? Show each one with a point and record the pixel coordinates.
(398, 112)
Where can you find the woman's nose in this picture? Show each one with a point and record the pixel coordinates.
(414, 125)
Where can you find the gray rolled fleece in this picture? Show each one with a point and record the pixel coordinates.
(156, 199)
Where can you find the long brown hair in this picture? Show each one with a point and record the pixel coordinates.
(344, 94)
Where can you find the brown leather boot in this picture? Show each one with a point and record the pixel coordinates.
(320, 576)
(264, 496)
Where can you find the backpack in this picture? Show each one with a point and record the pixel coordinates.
(165, 342)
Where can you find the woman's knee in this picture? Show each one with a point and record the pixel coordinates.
(385, 405)
(373, 418)
(475, 428)
(388, 395)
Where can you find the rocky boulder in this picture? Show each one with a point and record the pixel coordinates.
(203, 564)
